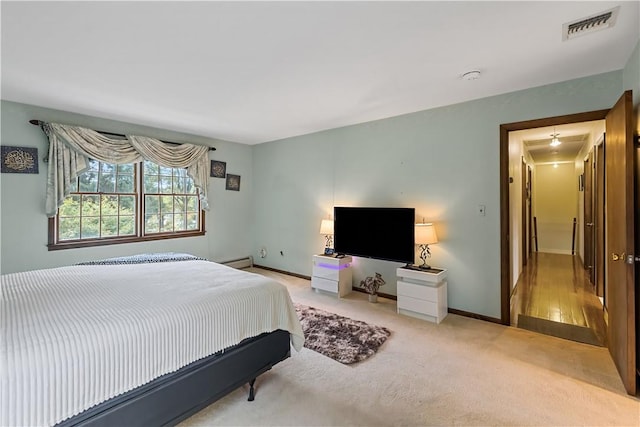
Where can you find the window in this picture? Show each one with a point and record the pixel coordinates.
(112, 204)
(170, 199)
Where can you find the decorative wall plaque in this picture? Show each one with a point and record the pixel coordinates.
(19, 159)
(233, 182)
(218, 169)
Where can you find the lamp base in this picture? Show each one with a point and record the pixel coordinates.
(421, 268)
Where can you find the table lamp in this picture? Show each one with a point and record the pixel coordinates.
(425, 235)
(326, 229)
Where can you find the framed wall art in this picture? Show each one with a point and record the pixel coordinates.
(581, 182)
(233, 182)
(218, 169)
(19, 159)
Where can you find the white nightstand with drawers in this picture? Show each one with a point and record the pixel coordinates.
(331, 274)
(422, 293)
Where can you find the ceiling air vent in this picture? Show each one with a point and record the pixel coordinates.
(591, 24)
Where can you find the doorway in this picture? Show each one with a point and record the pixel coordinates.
(506, 278)
(553, 291)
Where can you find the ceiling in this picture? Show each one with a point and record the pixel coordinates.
(253, 72)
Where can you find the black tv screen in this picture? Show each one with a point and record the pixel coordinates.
(379, 233)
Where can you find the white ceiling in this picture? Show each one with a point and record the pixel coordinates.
(252, 72)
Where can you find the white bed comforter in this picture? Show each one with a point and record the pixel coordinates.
(73, 337)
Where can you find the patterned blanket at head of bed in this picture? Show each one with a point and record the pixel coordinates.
(145, 258)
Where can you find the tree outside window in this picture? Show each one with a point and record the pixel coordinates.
(124, 203)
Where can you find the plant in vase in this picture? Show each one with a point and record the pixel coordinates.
(371, 285)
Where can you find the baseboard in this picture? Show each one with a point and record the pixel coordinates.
(380, 294)
(474, 315)
(288, 273)
(240, 263)
(555, 251)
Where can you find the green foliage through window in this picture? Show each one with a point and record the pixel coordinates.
(105, 203)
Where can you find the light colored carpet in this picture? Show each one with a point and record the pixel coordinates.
(460, 372)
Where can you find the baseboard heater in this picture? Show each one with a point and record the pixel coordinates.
(240, 263)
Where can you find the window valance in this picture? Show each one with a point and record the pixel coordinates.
(71, 147)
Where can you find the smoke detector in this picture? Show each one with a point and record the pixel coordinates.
(471, 75)
(590, 24)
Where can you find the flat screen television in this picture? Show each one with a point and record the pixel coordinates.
(379, 233)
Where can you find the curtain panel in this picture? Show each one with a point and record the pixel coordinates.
(71, 147)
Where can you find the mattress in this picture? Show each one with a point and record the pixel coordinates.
(76, 336)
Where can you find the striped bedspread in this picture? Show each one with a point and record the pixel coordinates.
(73, 337)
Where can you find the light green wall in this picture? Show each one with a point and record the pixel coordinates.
(631, 80)
(23, 235)
(444, 162)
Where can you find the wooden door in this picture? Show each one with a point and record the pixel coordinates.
(523, 206)
(600, 255)
(636, 255)
(529, 209)
(620, 216)
(588, 215)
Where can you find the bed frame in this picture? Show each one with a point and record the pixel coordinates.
(172, 398)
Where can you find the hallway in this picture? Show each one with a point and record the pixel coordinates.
(554, 296)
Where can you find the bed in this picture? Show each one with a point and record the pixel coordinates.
(136, 343)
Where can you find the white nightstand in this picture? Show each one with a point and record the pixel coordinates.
(331, 274)
(422, 293)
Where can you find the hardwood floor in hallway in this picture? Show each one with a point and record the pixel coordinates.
(554, 296)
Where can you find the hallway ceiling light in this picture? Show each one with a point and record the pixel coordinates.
(554, 139)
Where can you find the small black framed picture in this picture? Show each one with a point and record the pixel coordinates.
(19, 159)
(233, 182)
(218, 169)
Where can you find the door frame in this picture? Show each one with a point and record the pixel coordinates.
(505, 223)
(600, 219)
(530, 210)
(524, 257)
(588, 229)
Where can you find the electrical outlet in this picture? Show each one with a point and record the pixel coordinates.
(482, 210)
(263, 252)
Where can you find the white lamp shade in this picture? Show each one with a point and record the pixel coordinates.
(326, 227)
(426, 234)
